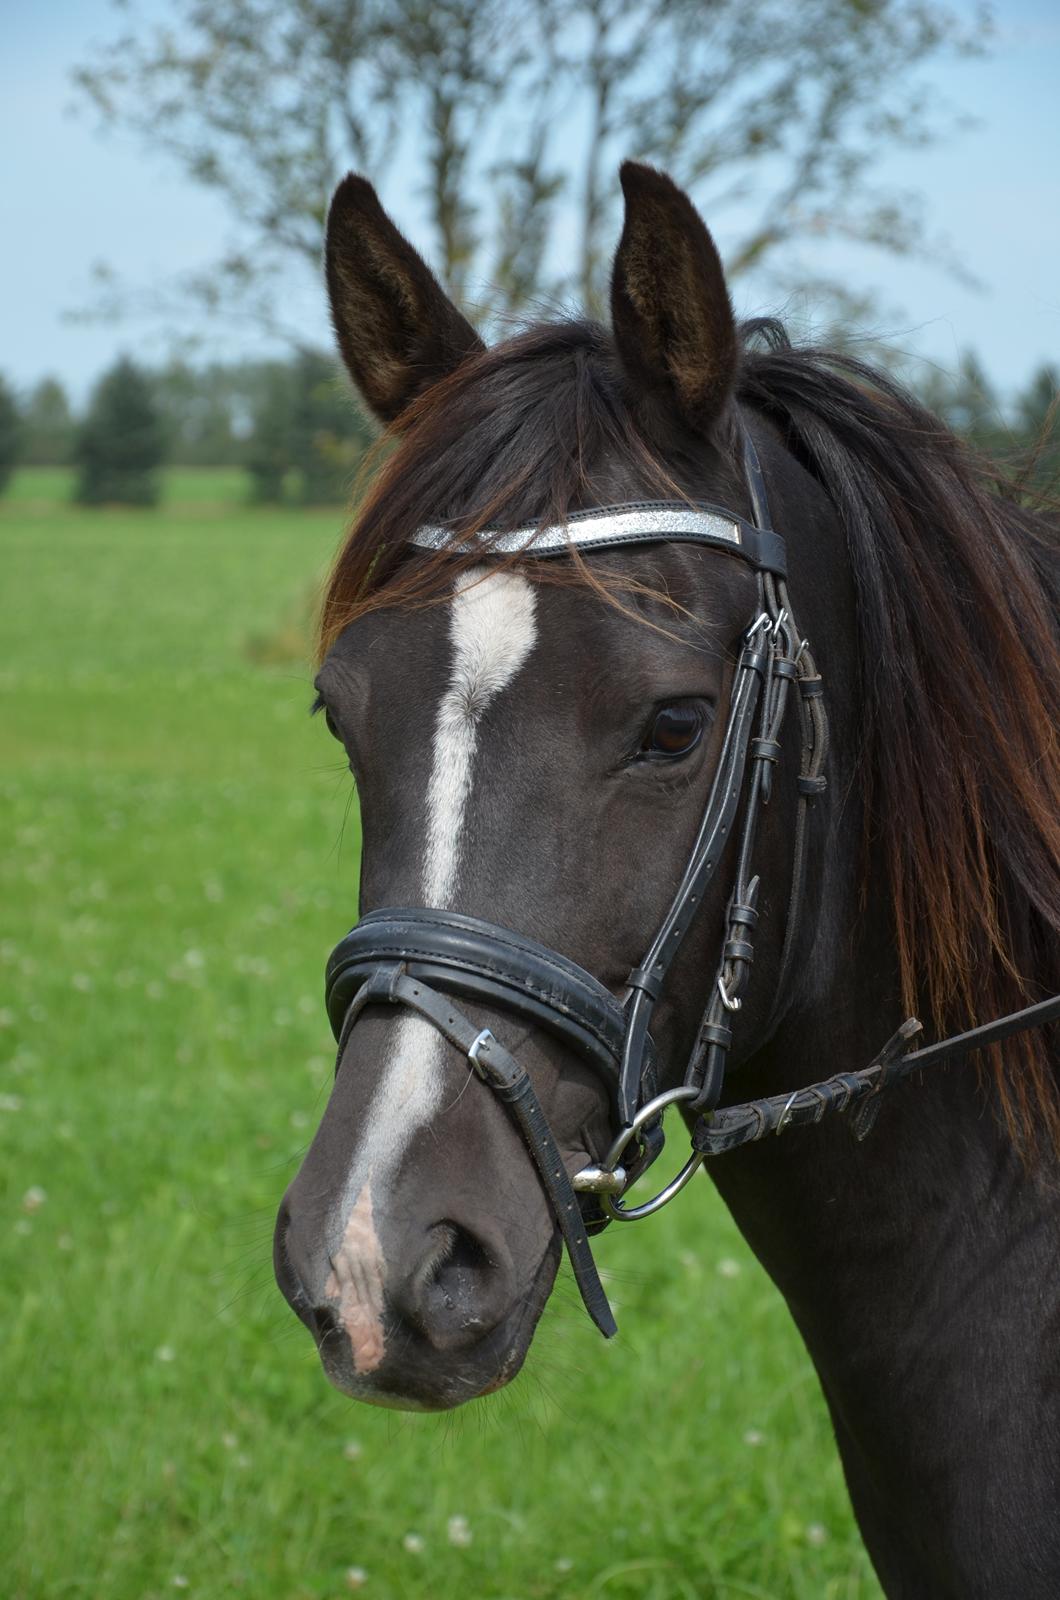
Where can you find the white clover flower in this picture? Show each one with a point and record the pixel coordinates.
(728, 1268)
(459, 1532)
(413, 1543)
(754, 1437)
(352, 1449)
(816, 1534)
(33, 1198)
(356, 1577)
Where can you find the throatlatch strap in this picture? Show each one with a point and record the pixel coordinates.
(495, 1066)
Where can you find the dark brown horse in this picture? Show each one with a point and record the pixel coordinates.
(535, 742)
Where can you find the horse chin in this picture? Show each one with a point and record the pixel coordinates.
(419, 1377)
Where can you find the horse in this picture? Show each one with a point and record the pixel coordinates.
(666, 638)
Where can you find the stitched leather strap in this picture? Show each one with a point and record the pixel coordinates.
(479, 960)
(733, 1126)
(646, 980)
(391, 984)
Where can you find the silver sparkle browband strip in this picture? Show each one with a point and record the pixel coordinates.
(610, 527)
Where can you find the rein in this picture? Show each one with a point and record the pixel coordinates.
(421, 958)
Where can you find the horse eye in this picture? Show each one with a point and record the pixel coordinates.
(674, 731)
(332, 726)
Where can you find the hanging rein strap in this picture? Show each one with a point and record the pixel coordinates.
(744, 1124)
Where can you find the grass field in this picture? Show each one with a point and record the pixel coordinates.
(176, 867)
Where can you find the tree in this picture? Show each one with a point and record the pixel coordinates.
(119, 445)
(967, 401)
(10, 432)
(512, 115)
(304, 425)
(328, 432)
(1021, 438)
(269, 448)
(1037, 421)
(197, 410)
(47, 425)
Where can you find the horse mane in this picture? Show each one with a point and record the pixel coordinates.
(958, 598)
(958, 590)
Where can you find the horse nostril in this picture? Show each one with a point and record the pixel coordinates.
(287, 1275)
(319, 1319)
(324, 1322)
(458, 1293)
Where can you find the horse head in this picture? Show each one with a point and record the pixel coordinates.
(534, 745)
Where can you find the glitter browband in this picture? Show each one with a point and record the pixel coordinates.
(610, 527)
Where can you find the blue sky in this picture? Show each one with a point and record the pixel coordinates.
(77, 198)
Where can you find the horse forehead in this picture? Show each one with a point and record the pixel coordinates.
(408, 657)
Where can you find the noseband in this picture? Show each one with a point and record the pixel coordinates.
(426, 960)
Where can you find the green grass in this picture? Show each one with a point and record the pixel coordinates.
(45, 488)
(172, 881)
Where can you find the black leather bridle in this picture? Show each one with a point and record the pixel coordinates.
(427, 960)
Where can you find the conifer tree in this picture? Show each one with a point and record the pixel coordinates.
(120, 444)
(47, 425)
(10, 432)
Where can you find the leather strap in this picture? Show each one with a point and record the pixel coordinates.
(391, 984)
(646, 981)
(725, 1130)
(480, 960)
(477, 960)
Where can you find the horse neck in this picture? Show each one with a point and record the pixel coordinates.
(921, 1265)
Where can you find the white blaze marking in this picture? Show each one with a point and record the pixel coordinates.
(493, 631)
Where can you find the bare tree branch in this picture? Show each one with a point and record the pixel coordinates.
(512, 116)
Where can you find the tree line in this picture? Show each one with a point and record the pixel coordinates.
(296, 430)
(291, 424)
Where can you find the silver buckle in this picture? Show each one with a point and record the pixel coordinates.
(478, 1043)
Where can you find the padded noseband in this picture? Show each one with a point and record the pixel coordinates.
(481, 961)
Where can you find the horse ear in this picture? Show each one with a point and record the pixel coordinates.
(670, 309)
(397, 328)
